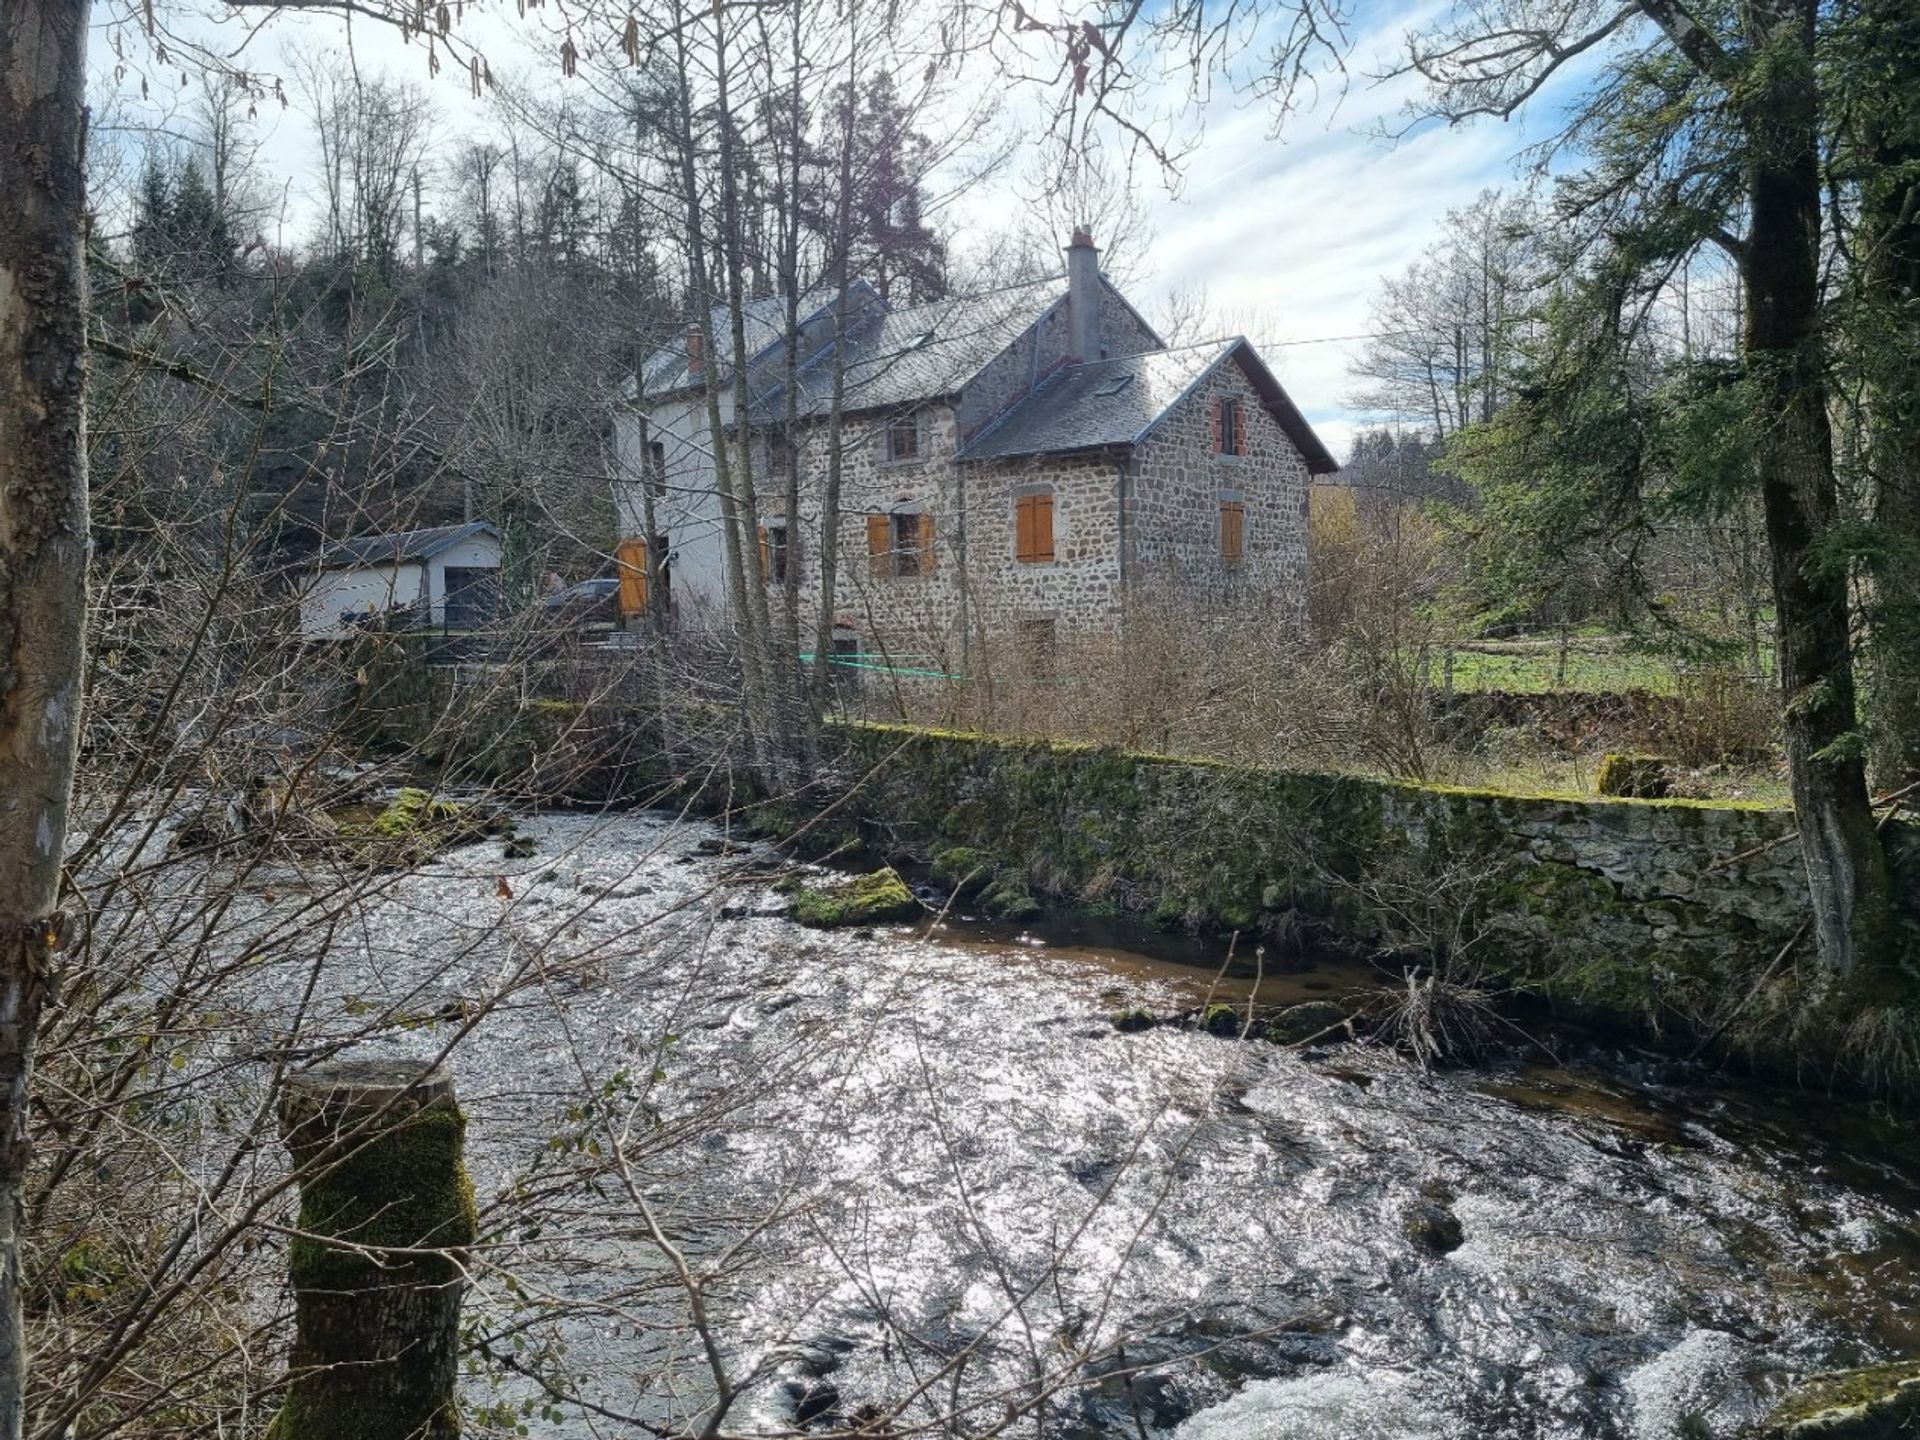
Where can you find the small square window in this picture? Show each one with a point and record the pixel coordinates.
(903, 438)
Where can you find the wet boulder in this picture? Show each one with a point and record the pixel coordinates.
(862, 900)
(1879, 1402)
(1433, 1227)
(963, 870)
(1299, 1023)
(1223, 1020)
(1009, 899)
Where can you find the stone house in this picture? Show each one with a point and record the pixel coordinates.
(1023, 463)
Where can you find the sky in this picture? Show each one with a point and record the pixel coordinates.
(1287, 236)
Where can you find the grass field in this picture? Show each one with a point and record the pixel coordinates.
(1535, 670)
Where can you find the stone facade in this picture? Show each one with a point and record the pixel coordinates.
(1178, 485)
(1129, 519)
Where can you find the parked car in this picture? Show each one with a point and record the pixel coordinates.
(589, 605)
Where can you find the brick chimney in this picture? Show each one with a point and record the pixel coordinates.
(696, 352)
(1083, 298)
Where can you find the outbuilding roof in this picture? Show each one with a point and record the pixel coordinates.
(400, 546)
(1107, 404)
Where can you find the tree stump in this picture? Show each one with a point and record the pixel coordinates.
(386, 1210)
(1637, 777)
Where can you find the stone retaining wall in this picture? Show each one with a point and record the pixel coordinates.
(1662, 913)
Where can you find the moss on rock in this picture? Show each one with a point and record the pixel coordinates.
(862, 900)
(1878, 1402)
(966, 870)
(1009, 898)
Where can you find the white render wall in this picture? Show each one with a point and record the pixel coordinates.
(364, 589)
(476, 552)
(688, 514)
(378, 588)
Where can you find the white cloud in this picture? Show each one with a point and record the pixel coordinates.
(1288, 236)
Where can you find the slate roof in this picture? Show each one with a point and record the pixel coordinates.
(401, 546)
(765, 322)
(1117, 403)
(1099, 404)
(900, 357)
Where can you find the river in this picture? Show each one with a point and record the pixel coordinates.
(931, 1177)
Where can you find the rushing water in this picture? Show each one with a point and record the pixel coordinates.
(968, 1160)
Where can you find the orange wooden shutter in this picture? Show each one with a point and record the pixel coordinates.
(631, 558)
(926, 544)
(880, 544)
(1219, 435)
(1239, 428)
(766, 557)
(1233, 531)
(1033, 528)
(1040, 528)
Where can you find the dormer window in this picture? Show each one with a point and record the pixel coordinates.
(903, 438)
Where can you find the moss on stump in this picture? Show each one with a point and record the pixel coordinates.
(863, 900)
(386, 1212)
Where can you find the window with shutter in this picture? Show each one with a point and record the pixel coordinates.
(1228, 436)
(1233, 531)
(926, 544)
(1033, 529)
(907, 544)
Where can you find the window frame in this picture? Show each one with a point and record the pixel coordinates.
(656, 469)
(903, 535)
(776, 554)
(905, 424)
(1231, 442)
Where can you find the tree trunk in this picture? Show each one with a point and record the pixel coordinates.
(43, 558)
(379, 1146)
(1846, 866)
(1888, 315)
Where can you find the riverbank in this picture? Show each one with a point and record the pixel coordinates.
(1679, 920)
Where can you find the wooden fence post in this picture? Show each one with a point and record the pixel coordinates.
(377, 1322)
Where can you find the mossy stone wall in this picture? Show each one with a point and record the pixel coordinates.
(1661, 912)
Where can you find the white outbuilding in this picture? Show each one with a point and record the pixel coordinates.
(447, 577)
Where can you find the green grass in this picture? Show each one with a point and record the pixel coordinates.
(1536, 670)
